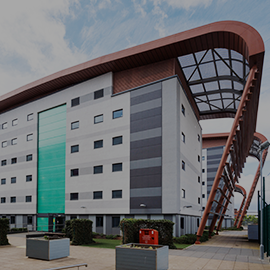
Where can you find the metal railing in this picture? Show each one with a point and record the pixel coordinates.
(68, 266)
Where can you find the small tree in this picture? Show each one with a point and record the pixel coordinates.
(4, 226)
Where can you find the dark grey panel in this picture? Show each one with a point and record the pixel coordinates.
(145, 97)
(146, 123)
(146, 89)
(168, 217)
(147, 113)
(146, 142)
(146, 152)
(146, 171)
(146, 181)
(129, 216)
(218, 156)
(108, 224)
(150, 202)
(146, 134)
(145, 192)
(210, 162)
(212, 169)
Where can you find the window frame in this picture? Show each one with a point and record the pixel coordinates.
(4, 144)
(14, 160)
(183, 109)
(27, 197)
(3, 199)
(74, 172)
(115, 220)
(75, 102)
(116, 192)
(96, 119)
(99, 221)
(74, 126)
(28, 156)
(115, 115)
(97, 195)
(13, 199)
(96, 146)
(183, 193)
(29, 178)
(96, 169)
(183, 137)
(3, 162)
(13, 180)
(14, 141)
(74, 196)
(183, 165)
(30, 117)
(5, 125)
(15, 121)
(114, 167)
(99, 94)
(3, 181)
(73, 148)
(115, 138)
(29, 137)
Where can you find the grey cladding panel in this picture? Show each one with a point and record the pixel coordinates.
(146, 134)
(150, 202)
(145, 163)
(146, 152)
(146, 192)
(146, 123)
(146, 106)
(146, 142)
(146, 89)
(146, 171)
(145, 97)
(145, 181)
(144, 114)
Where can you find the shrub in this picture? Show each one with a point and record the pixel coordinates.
(110, 236)
(186, 239)
(67, 230)
(94, 234)
(4, 226)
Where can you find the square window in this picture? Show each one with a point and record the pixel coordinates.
(74, 196)
(28, 178)
(4, 125)
(14, 141)
(3, 181)
(3, 199)
(29, 157)
(4, 144)
(75, 102)
(28, 198)
(29, 137)
(98, 144)
(29, 220)
(117, 194)
(117, 114)
(75, 125)
(74, 172)
(117, 140)
(183, 193)
(74, 148)
(15, 122)
(99, 221)
(183, 110)
(203, 208)
(12, 220)
(12, 199)
(3, 162)
(98, 94)
(13, 180)
(97, 195)
(183, 137)
(117, 167)
(98, 169)
(98, 119)
(199, 200)
(199, 159)
(14, 160)
(183, 165)
(115, 222)
(30, 117)
(203, 183)
(199, 179)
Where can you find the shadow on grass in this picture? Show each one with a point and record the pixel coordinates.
(105, 243)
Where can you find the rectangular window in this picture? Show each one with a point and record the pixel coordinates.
(29, 157)
(3, 181)
(117, 140)
(28, 178)
(98, 94)
(14, 160)
(182, 223)
(13, 180)
(29, 137)
(30, 117)
(12, 220)
(74, 172)
(203, 183)
(15, 122)
(14, 141)
(99, 221)
(199, 179)
(198, 222)
(203, 157)
(183, 193)
(3, 199)
(183, 165)
(4, 144)
(203, 170)
(115, 222)
(98, 119)
(203, 195)
(98, 169)
(28, 198)
(183, 137)
(117, 194)
(74, 148)
(183, 110)
(75, 125)
(199, 200)
(74, 196)
(199, 138)
(29, 220)
(75, 102)
(199, 159)
(4, 125)
(117, 167)
(3, 162)
(98, 144)
(12, 199)
(117, 114)
(97, 195)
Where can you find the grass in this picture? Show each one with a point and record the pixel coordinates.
(181, 245)
(105, 243)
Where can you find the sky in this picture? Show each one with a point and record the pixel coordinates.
(39, 38)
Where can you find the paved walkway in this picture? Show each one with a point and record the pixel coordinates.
(229, 250)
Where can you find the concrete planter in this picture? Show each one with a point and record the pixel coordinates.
(143, 258)
(253, 233)
(40, 248)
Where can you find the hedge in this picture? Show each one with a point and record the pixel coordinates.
(130, 230)
(4, 227)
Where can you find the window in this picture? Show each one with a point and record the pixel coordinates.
(199, 200)
(117, 114)
(12, 199)
(203, 208)
(29, 137)
(115, 222)
(99, 221)
(117, 167)
(199, 159)
(98, 169)
(75, 102)
(14, 141)
(74, 148)
(98, 94)
(199, 179)
(13, 180)
(15, 122)
(4, 144)
(203, 195)
(74, 172)
(28, 178)
(74, 196)
(28, 198)
(14, 160)
(203, 170)
(98, 144)
(199, 138)
(3, 162)
(3, 199)
(12, 220)
(97, 195)
(117, 194)
(183, 165)
(182, 223)
(98, 119)
(183, 110)
(29, 220)
(4, 125)
(198, 222)
(117, 140)
(30, 117)
(183, 193)
(203, 157)
(74, 125)
(183, 137)
(203, 183)
(3, 181)
(29, 157)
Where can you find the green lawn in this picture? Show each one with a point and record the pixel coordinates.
(105, 243)
(181, 245)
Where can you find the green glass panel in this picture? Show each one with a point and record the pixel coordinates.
(42, 224)
(51, 160)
